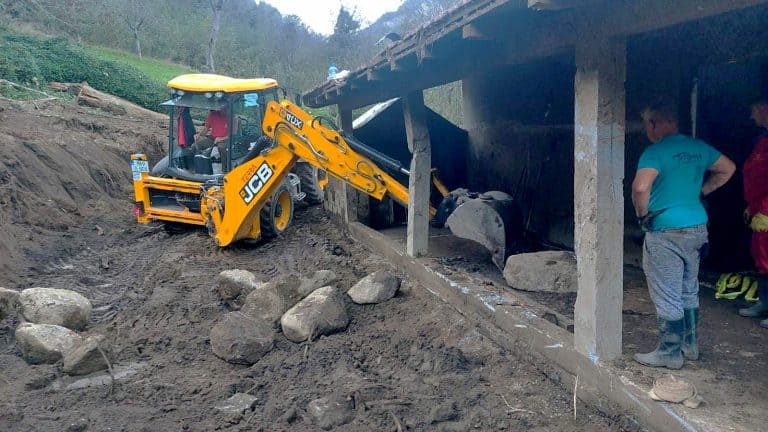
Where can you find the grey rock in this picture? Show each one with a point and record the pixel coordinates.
(290, 415)
(97, 379)
(270, 301)
(237, 404)
(9, 300)
(55, 306)
(238, 338)
(45, 343)
(551, 271)
(318, 279)
(328, 413)
(79, 425)
(444, 412)
(377, 287)
(86, 358)
(232, 283)
(320, 313)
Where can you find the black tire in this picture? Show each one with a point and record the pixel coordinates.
(273, 219)
(310, 177)
(173, 228)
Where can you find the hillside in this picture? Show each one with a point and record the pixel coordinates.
(254, 40)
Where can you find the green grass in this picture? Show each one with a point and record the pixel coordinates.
(158, 70)
(33, 61)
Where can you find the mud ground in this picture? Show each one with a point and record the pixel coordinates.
(730, 375)
(66, 222)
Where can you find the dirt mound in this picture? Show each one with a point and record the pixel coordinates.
(59, 166)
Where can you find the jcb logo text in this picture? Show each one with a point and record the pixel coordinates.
(256, 183)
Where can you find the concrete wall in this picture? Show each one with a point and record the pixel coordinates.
(520, 126)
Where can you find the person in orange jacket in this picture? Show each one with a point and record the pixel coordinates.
(756, 214)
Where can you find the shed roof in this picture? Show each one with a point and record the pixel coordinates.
(480, 35)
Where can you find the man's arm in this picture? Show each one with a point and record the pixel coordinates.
(641, 190)
(719, 173)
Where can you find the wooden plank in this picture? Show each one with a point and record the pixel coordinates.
(556, 5)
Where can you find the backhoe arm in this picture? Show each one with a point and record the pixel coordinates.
(296, 130)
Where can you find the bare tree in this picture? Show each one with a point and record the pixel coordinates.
(217, 6)
(136, 14)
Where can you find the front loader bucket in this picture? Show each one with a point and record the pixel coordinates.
(493, 220)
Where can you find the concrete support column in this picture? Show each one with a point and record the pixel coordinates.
(417, 242)
(598, 194)
(341, 199)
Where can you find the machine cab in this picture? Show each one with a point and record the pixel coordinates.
(215, 124)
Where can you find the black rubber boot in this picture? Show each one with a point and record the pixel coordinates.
(668, 352)
(690, 334)
(761, 307)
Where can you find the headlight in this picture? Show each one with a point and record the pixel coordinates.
(208, 95)
(219, 95)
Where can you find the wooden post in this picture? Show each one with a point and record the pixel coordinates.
(414, 111)
(599, 196)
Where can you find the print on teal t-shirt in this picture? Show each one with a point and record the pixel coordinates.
(682, 162)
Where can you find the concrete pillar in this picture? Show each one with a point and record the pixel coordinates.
(417, 242)
(598, 195)
(342, 200)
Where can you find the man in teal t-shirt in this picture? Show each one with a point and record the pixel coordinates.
(667, 192)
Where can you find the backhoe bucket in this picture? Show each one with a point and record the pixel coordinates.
(491, 219)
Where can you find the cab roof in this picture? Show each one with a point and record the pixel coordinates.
(213, 83)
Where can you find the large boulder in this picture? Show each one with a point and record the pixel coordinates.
(45, 343)
(238, 338)
(318, 279)
(269, 302)
(551, 271)
(331, 412)
(322, 312)
(231, 284)
(9, 299)
(377, 287)
(55, 306)
(86, 358)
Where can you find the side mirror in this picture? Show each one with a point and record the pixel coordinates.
(297, 99)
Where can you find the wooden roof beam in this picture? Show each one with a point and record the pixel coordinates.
(375, 75)
(555, 5)
(474, 32)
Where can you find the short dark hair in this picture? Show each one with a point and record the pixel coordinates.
(660, 110)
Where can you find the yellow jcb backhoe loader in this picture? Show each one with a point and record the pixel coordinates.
(243, 188)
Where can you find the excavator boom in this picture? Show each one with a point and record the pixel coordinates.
(308, 138)
(253, 197)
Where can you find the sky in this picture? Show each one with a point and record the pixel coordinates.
(320, 15)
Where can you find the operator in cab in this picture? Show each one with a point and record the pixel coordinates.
(215, 130)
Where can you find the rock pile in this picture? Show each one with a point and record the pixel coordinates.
(50, 319)
(302, 308)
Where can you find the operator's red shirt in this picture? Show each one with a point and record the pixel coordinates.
(217, 122)
(756, 177)
(181, 132)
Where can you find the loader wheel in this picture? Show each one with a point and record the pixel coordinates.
(313, 180)
(277, 214)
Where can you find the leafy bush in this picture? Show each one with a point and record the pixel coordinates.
(28, 59)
